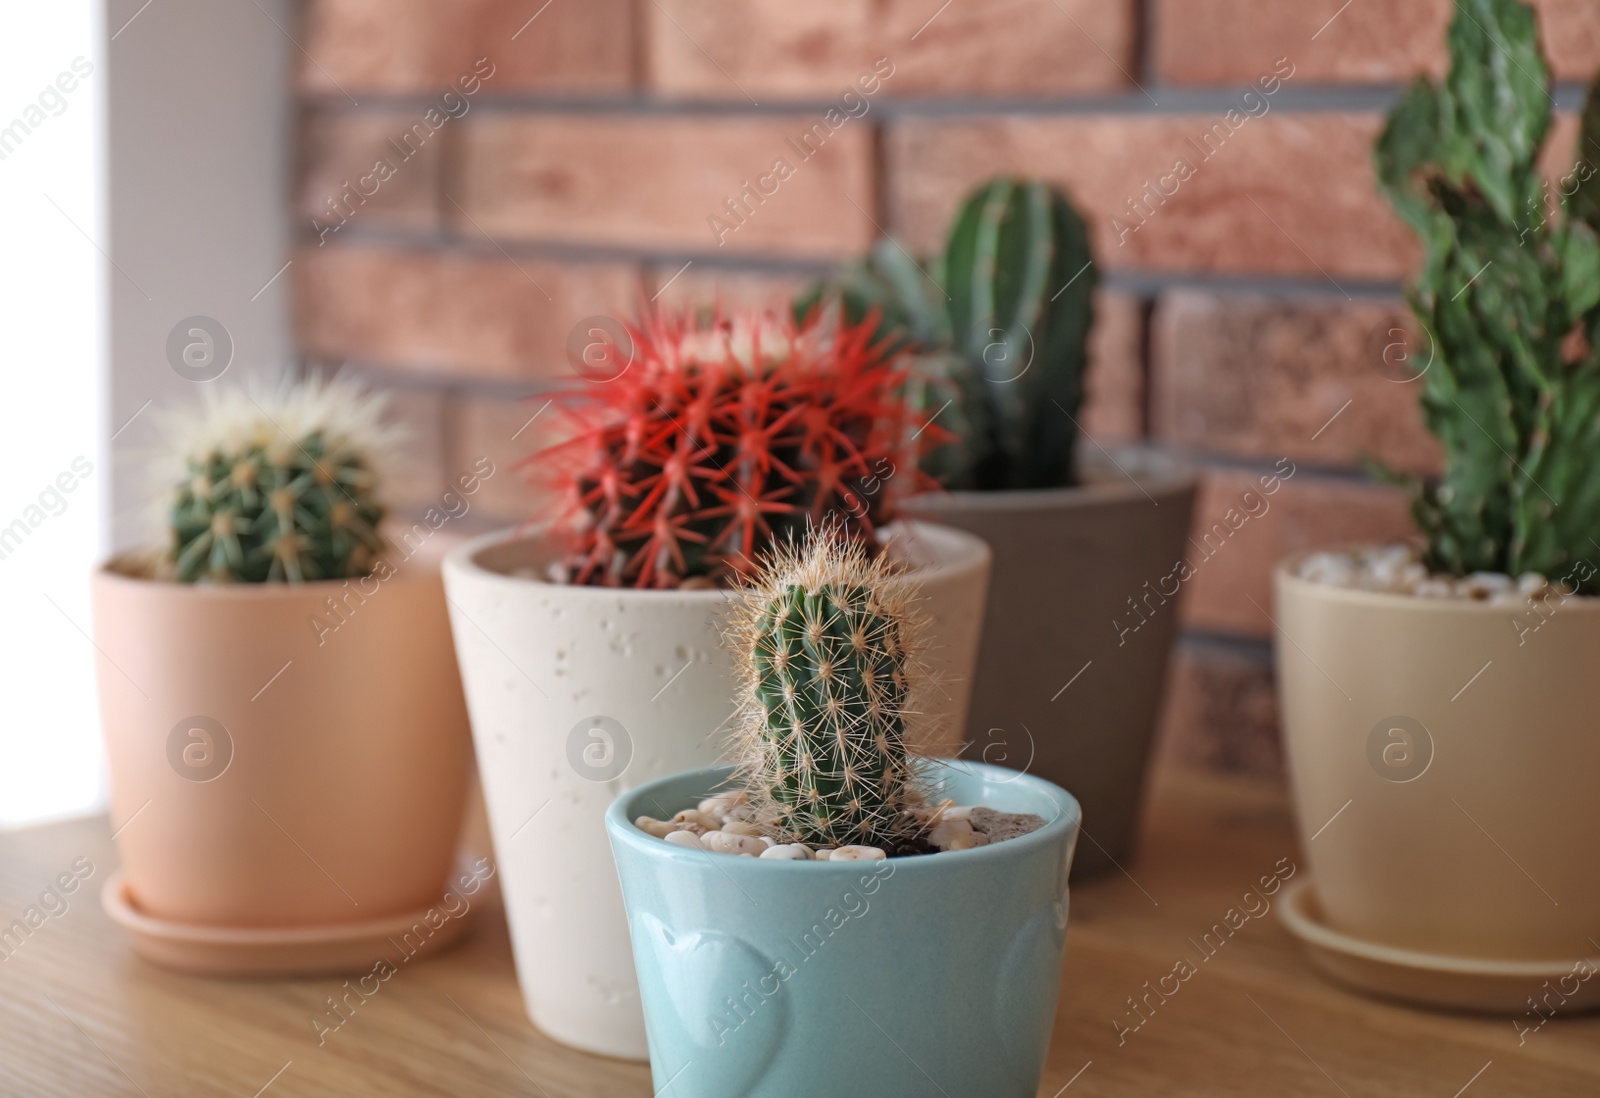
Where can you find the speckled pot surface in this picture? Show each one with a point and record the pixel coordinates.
(578, 694)
(897, 979)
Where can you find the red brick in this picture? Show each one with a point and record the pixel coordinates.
(1268, 377)
(699, 285)
(354, 47)
(1233, 41)
(423, 312)
(417, 478)
(656, 182)
(1113, 406)
(1221, 710)
(345, 155)
(495, 434)
(777, 49)
(1305, 512)
(1289, 194)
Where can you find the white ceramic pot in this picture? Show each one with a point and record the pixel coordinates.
(579, 694)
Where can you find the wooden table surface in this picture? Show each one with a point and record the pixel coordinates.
(81, 1016)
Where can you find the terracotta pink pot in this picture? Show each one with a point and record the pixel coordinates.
(275, 763)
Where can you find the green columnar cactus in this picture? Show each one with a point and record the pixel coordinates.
(1507, 295)
(279, 486)
(822, 750)
(1020, 279)
(998, 332)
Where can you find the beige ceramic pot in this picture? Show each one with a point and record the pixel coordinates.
(1444, 762)
(276, 762)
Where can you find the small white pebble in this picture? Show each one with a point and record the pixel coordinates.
(692, 819)
(726, 842)
(1395, 555)
(739, 827)
(686, 838)
(1385, 572)
(768, 840)
(961, 812)
(823, 854)
(948, 832)
(797, 852)
(718, 805)
(857, 854)
(1334, 569)
(1531, 583)
(659, 828)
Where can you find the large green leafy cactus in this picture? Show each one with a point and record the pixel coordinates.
(1507, 296)
(823, 638)
(279, 486)
(998, 332)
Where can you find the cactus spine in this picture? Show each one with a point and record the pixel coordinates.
(822, 747)
(723, 436)
(1508, 296)
(279, 486)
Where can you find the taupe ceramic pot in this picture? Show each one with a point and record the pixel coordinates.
(1067, 562)
(282, 755)
(1444, 758)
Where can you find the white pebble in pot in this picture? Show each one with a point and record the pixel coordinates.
(691, 819)
(857, 854)
(726, 842)
(686, 838)
(797, 852)
(956, 835)
(659, 828)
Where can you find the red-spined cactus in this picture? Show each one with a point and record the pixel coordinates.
(721, 436)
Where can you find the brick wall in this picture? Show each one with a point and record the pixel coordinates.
(1250, 292)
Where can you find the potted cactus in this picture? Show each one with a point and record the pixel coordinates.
(287, 738)
(835, 914)
(1438, 700)
(588, 642)
(998, 326)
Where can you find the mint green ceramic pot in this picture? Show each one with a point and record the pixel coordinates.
(763, 978)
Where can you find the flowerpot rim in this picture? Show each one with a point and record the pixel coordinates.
(1109, 484)
(107, 572)
(463, 559)
(619, 824)
(1285, 576)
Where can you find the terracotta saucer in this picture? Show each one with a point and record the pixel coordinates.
(290, 951)
(1434, 980)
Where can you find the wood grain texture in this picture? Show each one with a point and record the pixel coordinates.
(80, 1015)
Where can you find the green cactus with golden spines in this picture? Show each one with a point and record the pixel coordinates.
(279, 488)
(823, 637)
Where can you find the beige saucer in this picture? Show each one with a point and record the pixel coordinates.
(293, 951)
(1453, 983)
